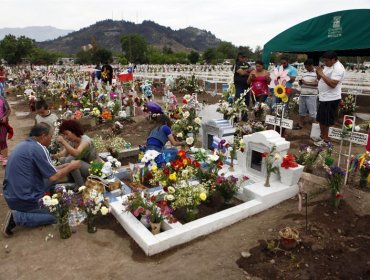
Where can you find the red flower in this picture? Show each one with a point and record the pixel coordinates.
(289, 161)
(264, 155)
(196, 164)
(288, 90)
(338, 196)
(165, 189)
(152, 198)
(184, 102)
(166, 171)
(181, 153)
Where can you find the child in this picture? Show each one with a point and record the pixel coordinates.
(44, 114)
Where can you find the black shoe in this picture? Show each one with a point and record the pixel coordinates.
(9, 224)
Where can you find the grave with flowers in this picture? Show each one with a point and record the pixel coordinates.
(194, 180)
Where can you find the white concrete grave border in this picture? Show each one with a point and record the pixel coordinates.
(257, 198)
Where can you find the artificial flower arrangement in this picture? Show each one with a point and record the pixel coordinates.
(188, 124)
(106, 115)
(347, 106)
(361, 162)
(96, 168)
(233, 107)
(270, 159)
(309, 157)
(181, 168)
(59, 204)
(187, 85)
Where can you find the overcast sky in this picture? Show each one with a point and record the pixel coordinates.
(242, 22)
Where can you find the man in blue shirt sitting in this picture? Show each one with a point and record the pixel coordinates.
(28, 167)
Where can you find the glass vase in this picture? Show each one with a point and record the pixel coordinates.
(267, 182)
(64, 228)
(91, 224)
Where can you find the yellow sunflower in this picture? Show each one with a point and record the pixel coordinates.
(279, 91)
(285, 98)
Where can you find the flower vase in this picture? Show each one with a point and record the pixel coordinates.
(231, 168)
(64, 228)
(228, 200)
(144, 221)
(192, 214)
(267, 182)
(156, 227)
(91, 224)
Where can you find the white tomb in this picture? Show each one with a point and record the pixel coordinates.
(254, 195)
(220, 128)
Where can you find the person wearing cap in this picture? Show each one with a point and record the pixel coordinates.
(241, 74)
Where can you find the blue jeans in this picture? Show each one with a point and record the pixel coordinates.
(307, 104)
(33, 218)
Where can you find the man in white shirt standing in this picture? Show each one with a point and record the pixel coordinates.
(330, 93)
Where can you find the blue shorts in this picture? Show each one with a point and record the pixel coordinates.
(308, 106)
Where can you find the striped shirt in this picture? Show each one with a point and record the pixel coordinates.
(309, 77)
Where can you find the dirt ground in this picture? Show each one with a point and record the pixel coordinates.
(342, 249)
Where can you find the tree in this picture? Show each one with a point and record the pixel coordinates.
(226, 50)
(101, 56)
(258, 51)
(135, 48)
(84, 57)
(13, 49)
(193, 57)
(41, 56)
(209, 55)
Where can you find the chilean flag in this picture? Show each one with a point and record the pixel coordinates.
(126, 76)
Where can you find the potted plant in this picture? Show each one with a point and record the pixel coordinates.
(289, 238)
(157, 210)
(290, 170)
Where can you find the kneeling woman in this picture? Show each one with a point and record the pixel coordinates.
(76, 145)
(159, 136)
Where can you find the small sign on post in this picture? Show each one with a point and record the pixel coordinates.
(286, 123)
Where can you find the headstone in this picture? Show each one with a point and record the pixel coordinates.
(220, 128)
(251, 161)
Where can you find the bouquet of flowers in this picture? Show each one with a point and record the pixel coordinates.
(294, 105)
(361, 162)
(335, 179)
(228, 186)
(96, 168)
(289, 161)
(260, 110)
(59, 204)
(308, 157)
(347, 106)
(94, 204)
(188, 197)
(233, 107)
(270, 162)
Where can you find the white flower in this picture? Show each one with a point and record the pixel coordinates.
(185, 173)
(189, 140)
(190, 128)
(198, 121)
(110, 158)
(46, 200)
(179, 135)
(54, 195)
(213, 157)
(277, 156)
(54, 202)
(82, 188)
(117, 164)
(104, 210)
(187, 97)
(171, 189)
(357, 128)
(186, 115)
(194, 150)
(170, 197)
(202, 150)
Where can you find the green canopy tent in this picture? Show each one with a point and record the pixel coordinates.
(345, 32)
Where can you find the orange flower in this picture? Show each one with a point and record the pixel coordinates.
(106, 115)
